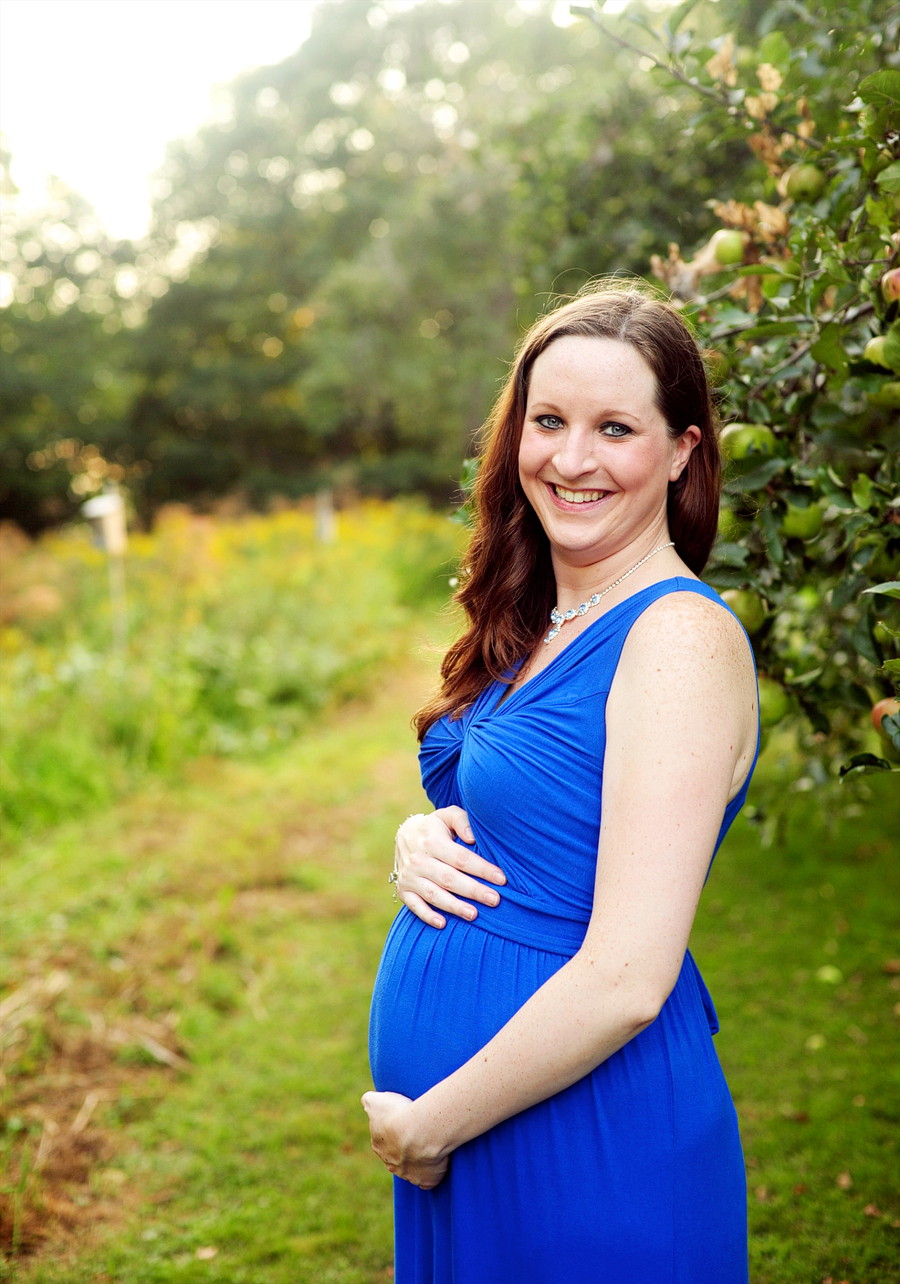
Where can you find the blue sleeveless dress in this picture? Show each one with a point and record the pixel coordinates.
(634, 1174)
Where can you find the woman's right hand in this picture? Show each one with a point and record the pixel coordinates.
(433, 870)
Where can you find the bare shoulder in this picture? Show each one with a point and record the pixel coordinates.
(687, 666)
(687, 632)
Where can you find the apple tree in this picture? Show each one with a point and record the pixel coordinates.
(796, 297)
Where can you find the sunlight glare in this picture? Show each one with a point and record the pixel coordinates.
(92, 91)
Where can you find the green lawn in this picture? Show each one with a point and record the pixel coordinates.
(234, 920)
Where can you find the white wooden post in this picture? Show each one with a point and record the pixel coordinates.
(326, 519)
(106, 513)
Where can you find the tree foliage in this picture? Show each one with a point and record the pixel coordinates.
(796, 295)
(340, 264)
(64, 391)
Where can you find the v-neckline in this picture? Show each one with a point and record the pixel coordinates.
(503, 701)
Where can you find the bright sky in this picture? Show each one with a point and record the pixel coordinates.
(92, 90)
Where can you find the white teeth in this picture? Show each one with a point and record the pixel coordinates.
(578, 496)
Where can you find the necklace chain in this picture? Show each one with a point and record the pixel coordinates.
(558, 618)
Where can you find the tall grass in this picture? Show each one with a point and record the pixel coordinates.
(238, 630)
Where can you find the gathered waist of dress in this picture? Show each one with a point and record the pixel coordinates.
(561, 930)
(554, 928)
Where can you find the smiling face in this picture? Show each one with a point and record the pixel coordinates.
(595, 457)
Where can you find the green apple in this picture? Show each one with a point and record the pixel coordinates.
(802, 523)
(740, 440)
(887, 397)
(807, 598)
(882, 633)
(874, 351)
(728, 526)
(890, 285)
(748, 607)
(773, 702)
(728, 246)
(804, 182)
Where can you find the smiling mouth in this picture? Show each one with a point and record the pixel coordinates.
(578, 496)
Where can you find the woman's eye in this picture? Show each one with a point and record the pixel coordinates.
(549, 421)
(616, 430)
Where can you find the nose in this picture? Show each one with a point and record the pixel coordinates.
(575, 454)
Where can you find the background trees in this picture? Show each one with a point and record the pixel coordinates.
(341, 262)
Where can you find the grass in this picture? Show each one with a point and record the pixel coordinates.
(240, 630)
(231, 920)
(799, 946)
(238, 916)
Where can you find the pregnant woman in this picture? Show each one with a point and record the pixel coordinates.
(547, 1091)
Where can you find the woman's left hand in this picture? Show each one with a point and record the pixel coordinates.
(391, 1123)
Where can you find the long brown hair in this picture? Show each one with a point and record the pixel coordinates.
(508, 588)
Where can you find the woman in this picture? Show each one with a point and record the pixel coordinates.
(548, 1096)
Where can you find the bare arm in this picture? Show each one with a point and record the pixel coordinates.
(681, 724)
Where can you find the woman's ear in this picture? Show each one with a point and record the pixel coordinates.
(684, 446)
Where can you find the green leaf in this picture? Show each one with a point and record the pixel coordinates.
(677, 16)
(752, 476)
(861, 491)
(772, 329)
(469, 473)
(863, 642)
(721, 577)
(731, 554)
(862, 764)
(891, 668)
(882, 88)
(889, 588)
(828, 348)
(805, 679)
(770, 533)
(889, 179)
(774, 48)
(890, 725)
(847, 590)
(878, 214)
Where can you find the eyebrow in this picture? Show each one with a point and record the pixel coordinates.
(604, 414)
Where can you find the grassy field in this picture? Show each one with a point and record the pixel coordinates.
(240, 630)
(188, 970)
(234, 921)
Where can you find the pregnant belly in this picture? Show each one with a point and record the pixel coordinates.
(441, 995)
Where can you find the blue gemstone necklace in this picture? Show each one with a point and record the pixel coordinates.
(558, 618)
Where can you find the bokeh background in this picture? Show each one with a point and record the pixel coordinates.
(263, 269)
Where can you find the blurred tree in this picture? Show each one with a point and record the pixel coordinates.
(380, 210)
(64, 396)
